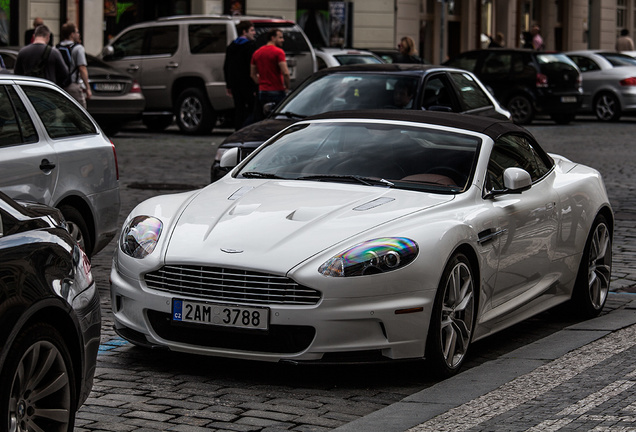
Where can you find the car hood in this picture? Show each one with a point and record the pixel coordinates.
(257, 133)
(273, 224)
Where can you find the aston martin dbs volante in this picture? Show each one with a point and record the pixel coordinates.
(388, 234)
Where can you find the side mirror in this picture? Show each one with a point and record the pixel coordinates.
(268, 108)
(230, 158)
(108, 51)
(516, 180)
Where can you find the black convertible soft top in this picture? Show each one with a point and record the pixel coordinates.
(494, 128)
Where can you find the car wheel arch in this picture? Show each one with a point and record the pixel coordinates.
(50, 312)
(183, 83)
(84, 210)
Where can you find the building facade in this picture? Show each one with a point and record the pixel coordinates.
(441, 28)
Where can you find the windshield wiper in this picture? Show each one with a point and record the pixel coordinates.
(368, 181)
(256, 174)
(291, 115)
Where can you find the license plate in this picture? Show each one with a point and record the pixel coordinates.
(568, 99)
(108, 87)
(187, 311)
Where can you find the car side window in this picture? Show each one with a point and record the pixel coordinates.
(467, 61)
(515, 151)
(470, 93)
(207, 38)
(438, 93)
(497, 63)
(60, 116)
(585, 64)
(128, 45)
(16, 126)
(164, 40)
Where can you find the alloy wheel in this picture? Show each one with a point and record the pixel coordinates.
(458, 310)
(40, 396)
(607, 107)
(599, 268)
(191, 112)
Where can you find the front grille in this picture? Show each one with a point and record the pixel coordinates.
(230, 285)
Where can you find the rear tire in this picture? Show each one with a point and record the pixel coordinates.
(593, 279)
(453, 319)
(521, 109)
(37, 381)
(77, 227)
(607, 107)
(195, 115)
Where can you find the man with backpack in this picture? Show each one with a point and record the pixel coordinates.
(40, 60)
(74, 56)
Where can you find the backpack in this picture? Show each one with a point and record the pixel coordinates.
(40, 68)
(66, 51)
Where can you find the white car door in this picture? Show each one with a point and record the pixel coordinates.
(27, 159)
(527, 224)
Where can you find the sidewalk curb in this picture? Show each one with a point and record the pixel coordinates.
(466, 386)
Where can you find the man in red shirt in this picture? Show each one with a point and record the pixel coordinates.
(269, 70)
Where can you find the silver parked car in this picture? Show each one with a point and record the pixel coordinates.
(331, 57)
(53, 152)
(609, 83)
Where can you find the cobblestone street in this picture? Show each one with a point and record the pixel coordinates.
(142, 390)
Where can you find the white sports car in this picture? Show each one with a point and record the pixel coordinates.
(387, 234)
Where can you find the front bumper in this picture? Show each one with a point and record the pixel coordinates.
(296, 333)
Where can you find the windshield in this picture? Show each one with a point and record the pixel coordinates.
(351, 91)
(370, 153)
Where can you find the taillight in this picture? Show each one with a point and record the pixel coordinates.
(136, 88)
(542, 80)
(116, 164)
(628, 81)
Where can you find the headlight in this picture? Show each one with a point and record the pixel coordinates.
(140, 236)
(372, 257)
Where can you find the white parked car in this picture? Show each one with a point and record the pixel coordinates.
(391, 233)
(330, 57)
(52, 152)
(609, 83)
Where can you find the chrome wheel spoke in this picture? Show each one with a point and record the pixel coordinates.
(599, 268)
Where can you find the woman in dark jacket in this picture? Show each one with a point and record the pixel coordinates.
(408, 53)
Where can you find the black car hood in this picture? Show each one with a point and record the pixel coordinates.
(255, 134)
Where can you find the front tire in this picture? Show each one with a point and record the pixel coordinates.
(453, 318)
(593, 278)
(521, 109)
(40, 382)
(607, 107)
(195, 115)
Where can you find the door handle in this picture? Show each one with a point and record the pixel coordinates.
(172, 65)
(46, 166)
(132, 68)
(489, 235)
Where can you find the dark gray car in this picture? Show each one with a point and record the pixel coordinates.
(369, 86)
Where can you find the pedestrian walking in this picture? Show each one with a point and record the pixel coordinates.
(269, 70)
(28, 35)
(238, 83)
(499, 41)
(408, 53)
(537, 40)
(624, 42)
(74, 56)
(40, 60)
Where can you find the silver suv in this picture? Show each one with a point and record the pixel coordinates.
(53, 152)
(178, 61)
